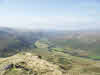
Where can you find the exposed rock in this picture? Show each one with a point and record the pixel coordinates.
(33, 65)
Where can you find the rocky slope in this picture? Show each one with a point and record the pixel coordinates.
(55, 64)
(27, 64)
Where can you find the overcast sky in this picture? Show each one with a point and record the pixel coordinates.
(50, 14)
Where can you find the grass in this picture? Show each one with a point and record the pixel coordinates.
(94, 57)
(91, 48)
(65, 63)
(15, 71)
(58, 49)
(40, 44)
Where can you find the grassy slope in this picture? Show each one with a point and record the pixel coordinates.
(92, 49)
(59, 63)
(75, 47)
(70, 63)
(30, 65)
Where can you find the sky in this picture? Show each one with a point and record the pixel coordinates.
(50, 14)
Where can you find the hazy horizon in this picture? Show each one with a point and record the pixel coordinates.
(50, 14)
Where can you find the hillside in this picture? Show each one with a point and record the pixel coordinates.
(27, 64)
(32, 64)
(13, 41)
(49, 52)
(77, 43)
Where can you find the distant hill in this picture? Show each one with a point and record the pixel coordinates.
(12, 41)
(31, 52)
(83, 43)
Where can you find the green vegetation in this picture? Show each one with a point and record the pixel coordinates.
(77, 47)
(58, 49)
(95, 57)
(55, 63)
(49, 54)
(40, 44)
(28, 64)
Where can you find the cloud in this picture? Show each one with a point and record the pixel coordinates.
(63, 22)
(48, 22)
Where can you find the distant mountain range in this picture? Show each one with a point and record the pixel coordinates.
(85, 42)
(49, 52)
